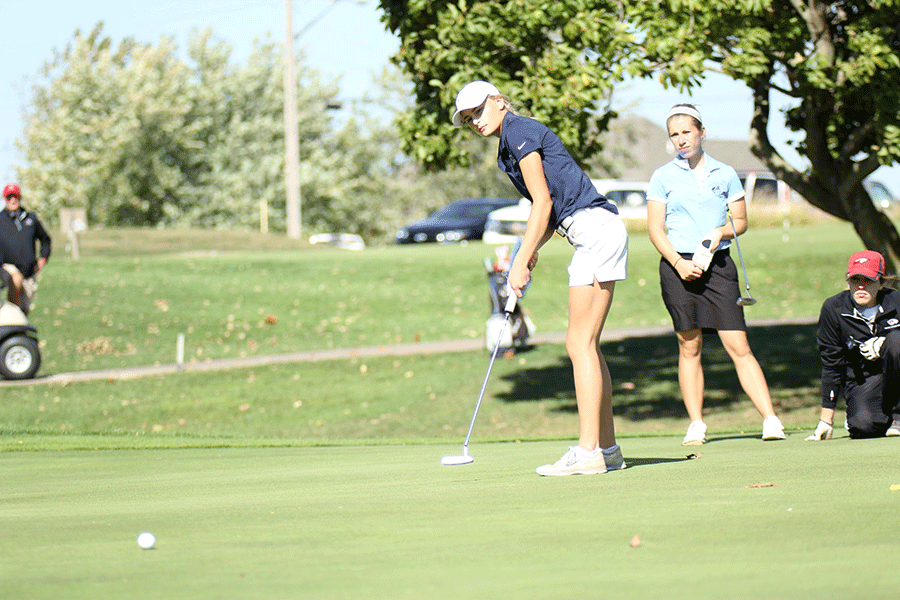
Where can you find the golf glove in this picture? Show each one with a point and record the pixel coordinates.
(871, 348)
(823, 432)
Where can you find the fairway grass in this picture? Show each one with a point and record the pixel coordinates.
(391, 522)
(409, 399)
(127, 308)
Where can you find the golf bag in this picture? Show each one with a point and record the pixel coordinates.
(520, 326)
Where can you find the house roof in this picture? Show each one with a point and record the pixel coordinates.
(634, 147)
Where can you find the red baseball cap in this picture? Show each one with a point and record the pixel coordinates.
(12, 189)
(868, 264)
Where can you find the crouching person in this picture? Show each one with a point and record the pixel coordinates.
(859, 341)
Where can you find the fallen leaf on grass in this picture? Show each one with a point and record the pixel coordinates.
(100, 345)
(761, 485)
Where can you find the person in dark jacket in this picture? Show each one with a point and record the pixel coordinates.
(20, 231)
(859, 340)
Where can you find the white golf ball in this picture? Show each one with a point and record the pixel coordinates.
(146, 540)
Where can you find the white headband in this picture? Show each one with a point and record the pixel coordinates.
(685, 110)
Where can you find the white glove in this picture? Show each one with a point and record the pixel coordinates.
(823, 432)
(871, 348)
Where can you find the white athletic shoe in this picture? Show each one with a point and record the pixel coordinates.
(696, 434)
(893, 430)
(772, 429)
(577, 461)
(613, 458)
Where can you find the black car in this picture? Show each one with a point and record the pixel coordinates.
(459, 221)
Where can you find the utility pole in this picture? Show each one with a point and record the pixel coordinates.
(291, 131)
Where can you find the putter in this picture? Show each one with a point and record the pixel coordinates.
(466, 458)
(749, 300)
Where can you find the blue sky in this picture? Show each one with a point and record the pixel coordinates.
(347, 40)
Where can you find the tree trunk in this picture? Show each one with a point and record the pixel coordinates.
(876, 230)
(830, 185)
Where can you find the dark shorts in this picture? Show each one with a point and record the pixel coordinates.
(873, 402)
(708, 303)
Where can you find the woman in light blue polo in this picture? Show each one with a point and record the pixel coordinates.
(563, 198)
(687, 203)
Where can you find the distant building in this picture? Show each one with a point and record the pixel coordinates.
(635, 147)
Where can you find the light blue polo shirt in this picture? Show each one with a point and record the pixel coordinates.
(694, 205)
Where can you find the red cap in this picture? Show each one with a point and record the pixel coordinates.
(12, 189)
(868, 263)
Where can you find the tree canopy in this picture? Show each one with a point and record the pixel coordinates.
(837, 62)
(138, 135)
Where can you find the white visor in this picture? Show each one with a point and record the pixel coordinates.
(685, 110)
(472, 95)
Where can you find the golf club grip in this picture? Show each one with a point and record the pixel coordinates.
(511, 299)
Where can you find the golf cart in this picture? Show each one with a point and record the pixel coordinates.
(20, 356)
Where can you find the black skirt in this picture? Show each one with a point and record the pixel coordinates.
(708, 303)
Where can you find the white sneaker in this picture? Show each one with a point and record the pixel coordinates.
(613, 458)
(696, 434)
(893, 430)
(577, 461)
(772, 429)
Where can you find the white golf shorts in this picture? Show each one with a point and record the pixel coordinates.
(601, 247)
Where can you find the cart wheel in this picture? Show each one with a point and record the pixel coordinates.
(20, 357)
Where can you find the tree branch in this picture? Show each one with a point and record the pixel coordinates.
(761, 146)
(855, 141)
(813, 107)
(759, 141)
(813, 14)
(866, 166)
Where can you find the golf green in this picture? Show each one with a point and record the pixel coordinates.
(739, 518)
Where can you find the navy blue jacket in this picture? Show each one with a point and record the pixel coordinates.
(19, 231)
(841, 331)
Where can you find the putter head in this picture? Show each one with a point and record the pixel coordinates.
(746, 301)
(457, 459)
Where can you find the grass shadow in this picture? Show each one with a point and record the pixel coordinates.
(736, 436)
(645, 374)
(643, 462)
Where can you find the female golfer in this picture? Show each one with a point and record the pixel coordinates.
(859, 341)
(688, 203)
(563, 199)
